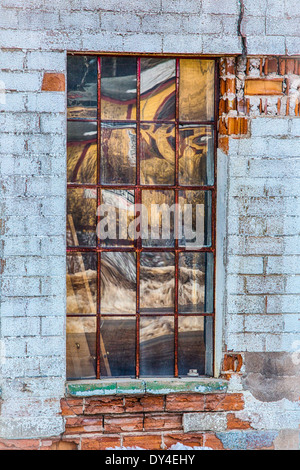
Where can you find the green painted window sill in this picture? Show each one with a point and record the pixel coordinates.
(92, 388)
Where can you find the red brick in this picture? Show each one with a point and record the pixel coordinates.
(115, 424)
(61, 445)
(163, 421)
(54, 82)
(83, 425)
(100, 443)
(223, 144)
(236, 423)
(71, 406)
(232, 362)
(188, 439)
(261, 86)
(271, 66)
(144, 404)
(210, 440)
(224, 402)
(185, 402)
(146, 441)
(24, 444)
(103, 405)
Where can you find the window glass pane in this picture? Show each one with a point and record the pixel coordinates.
(82, 87)
(118, 283)
(157, 347)
(191, 345)
(196, 156)
(82, 152)
(195, 291)
(117, 346)
(118, 88)
(157, 283)
(118, 153)
(196, 90)
(157, 154)
(159, 211)
(158, 89)
(81, 217)
(116, 213)
(81, 283)
(195, 209)
(81, 348)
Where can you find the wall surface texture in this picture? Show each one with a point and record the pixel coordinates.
(257, 42)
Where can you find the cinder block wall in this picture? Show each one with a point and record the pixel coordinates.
(259, 135)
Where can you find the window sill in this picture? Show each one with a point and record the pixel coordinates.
(90, 388)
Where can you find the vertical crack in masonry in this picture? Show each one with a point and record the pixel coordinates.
(239, 28)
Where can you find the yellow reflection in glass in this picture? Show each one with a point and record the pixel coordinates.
(157, 154)
(196, 90)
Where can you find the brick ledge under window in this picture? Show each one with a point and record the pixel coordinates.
(89, 388)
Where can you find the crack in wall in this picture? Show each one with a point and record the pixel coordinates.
(239, 28)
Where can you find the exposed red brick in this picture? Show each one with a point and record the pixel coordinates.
(210, 440)
(282, 66)
(289, 66)
(189, 439)
(230, 66)
(271, 66)
(224, 402)
(222, 86)
(222, 107)
(83, 425)
(262, 86)
(54, 82)
(236, 423)
(230, 85)
(185, 402)
(223, 144)
(144, 404)
(232, 362)
(61, 445)
(115, 424)
(71, 406)
(146, 441)
(163, 421)
(100, 443)
(24, 444)
(103, 405)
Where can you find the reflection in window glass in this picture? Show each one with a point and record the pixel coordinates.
(191, 345)
(81, 217)
(157, 347)
(117, 345)
(118, 213)
(157, 89)
(196, 156)
(82, 152)
(196, 85)
(81, 348)
(158, 204)
(195, 282)
(157, 154)
(81, 283)
(118, 153)
(196, 218)
(118, 283)
(82, 87)
(157, 283)
(118, 88)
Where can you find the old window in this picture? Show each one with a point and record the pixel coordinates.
(140, 216)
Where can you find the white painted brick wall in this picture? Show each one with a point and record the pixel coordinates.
(34, 37)
(263, 237)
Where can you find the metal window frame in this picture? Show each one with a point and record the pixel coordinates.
(138, 248)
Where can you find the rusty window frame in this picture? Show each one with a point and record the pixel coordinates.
(138, 248)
